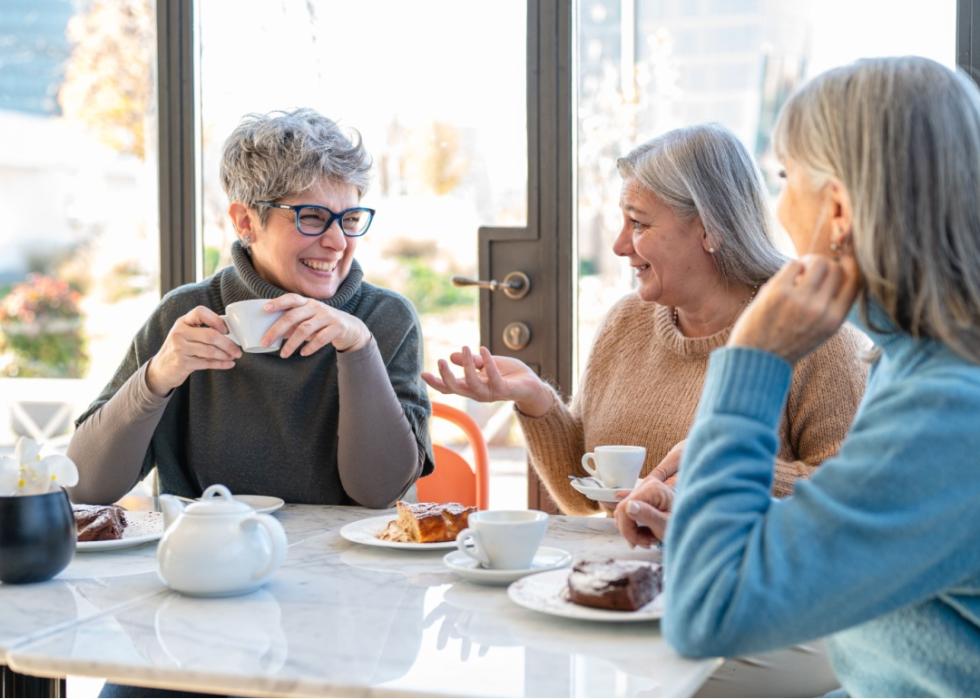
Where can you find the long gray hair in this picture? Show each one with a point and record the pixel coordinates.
(271, 156)
(704, 171)
(903, 137)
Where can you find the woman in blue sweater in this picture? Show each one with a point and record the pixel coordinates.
(881, 548)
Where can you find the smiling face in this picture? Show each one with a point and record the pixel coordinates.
(668, 253)
(314, 266)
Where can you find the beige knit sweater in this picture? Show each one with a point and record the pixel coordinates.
(642, 384)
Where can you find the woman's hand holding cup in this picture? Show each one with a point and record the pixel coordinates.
(314, 325)
(196, 341)
(488, 378)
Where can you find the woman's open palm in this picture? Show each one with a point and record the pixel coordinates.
(487, 378)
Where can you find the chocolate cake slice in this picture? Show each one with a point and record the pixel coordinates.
(620, 585)
(99, 522)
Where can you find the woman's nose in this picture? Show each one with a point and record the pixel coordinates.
(623, 244)
(334, 237)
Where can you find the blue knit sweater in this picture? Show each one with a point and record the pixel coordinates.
(881, 548)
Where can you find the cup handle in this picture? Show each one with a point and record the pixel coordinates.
(230, 334)
(468, 541)
(588, 461)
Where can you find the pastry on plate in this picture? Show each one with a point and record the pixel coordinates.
(427, 522)
(622, 585)
(99, 522)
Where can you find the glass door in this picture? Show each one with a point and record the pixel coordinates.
(437, 91)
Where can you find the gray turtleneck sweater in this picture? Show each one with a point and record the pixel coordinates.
(333, 428)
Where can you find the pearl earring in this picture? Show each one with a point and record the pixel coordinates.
(711, 251)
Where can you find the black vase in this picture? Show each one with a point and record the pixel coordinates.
(37, 536)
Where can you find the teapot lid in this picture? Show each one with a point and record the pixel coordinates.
(217, 500)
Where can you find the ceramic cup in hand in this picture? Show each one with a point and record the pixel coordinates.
(247, 322)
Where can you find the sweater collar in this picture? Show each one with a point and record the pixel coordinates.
(242, 282)
(674, 340)
(876, 324)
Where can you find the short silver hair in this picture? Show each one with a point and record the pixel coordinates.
(275, 155)
(903, 137)
(704, 171)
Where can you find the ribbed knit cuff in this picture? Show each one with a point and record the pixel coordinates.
(745, 381)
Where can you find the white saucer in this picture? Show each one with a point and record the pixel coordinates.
(595, 490)
(468, 568)
(261, 503)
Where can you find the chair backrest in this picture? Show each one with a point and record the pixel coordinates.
(454, 480)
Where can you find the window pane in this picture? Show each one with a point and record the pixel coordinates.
(437, 91)
(79, 250)
(647, 67)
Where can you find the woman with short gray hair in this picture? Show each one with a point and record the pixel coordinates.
(300, 423)
(879, 550)
(697, 232)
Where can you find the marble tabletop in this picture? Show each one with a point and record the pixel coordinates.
(337, 619)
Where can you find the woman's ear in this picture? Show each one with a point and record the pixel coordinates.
(241, 219)
(841, 215)
(706, 242)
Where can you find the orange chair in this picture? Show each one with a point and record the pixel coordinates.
(454, 480)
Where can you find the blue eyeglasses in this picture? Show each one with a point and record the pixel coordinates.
(312, 220)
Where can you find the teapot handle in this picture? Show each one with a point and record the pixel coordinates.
(277, 537)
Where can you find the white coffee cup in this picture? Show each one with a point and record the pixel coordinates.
(615, 465)
(503, 539)
(247, 322)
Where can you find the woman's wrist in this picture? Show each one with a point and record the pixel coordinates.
(539, 404)
(154, 382)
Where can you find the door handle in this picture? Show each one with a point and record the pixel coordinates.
(515, 285)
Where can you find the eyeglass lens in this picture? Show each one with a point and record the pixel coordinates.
(313, 221)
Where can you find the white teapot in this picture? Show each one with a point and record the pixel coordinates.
(218, 546)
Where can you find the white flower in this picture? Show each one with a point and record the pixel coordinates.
(28, 473)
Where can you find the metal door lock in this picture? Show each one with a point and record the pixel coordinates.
(515, 285)
(517, 335)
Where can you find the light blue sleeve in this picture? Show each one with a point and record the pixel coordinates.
(891, 521)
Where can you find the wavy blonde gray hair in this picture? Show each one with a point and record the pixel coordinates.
(274, 155)
(903, 137)
(704, 171)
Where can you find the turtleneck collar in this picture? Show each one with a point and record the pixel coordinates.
(246, 283)
(674, 340)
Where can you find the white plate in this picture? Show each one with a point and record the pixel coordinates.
(141, 528)
(545, 592)
(547, 558)
(365, 531)
(592, 489)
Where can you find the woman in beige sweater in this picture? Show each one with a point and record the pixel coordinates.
(697, 231)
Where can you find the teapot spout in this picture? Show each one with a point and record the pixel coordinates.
(172, 509)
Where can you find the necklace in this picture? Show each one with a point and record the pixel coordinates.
(677, 318)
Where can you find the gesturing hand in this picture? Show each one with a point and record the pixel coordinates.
(196, 341)
(314, 323)
(799, 308)
(487, 378)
